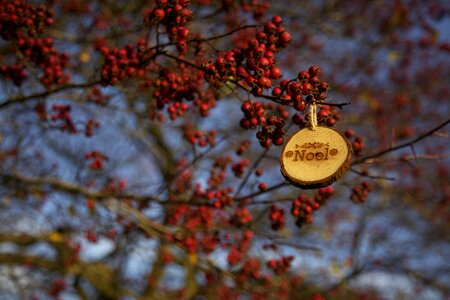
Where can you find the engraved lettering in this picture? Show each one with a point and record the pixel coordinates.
(307, 152)
(298, 154)
(319, 155)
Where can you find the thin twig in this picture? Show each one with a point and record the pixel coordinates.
(369, 158)
(21, 99)
(272, 188)
(249, 172)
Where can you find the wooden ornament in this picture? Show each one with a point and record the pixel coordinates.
(315, 158)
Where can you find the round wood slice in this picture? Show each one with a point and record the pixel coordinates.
(315, 158)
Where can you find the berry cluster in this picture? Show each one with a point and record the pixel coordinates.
(120, 63)
(254, 114)
(357, 143)
(57, 286)
(276, 217)
(114, 185)
(243, 147)
(234, 256)
(174, 14)
(254, 65)
(97, 160)
(15, 72)
(237, 250)
(327, 116)
(91, 235)
(62, 114)
(95, 96)
(280, 265)
(239, 167)
(242, 216)
(360, 192)
(18, 14)
(73, 256)
(272, 132)
(303, 206)
(191, 217)
(299, 120)
(251, 269)
(43, 54)
(196, 137)
(172, 90)
(306, 88)
(90, 126)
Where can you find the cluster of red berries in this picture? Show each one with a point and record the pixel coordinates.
(360, 192)
(237, 250)
(303, 206)
(216, 178)
(254, 65)
(299, 120)
(239, 167)
(90, 126)
(280, 265)
(234, 256)
(114, 185)
(97, 159)
(174, 14)
(197, 137)
(91, 235)
(276, 217)
(272, 128)
(18, 14)
(251, 269)
(272, 132)
(242, 216)
(43, 54)
(243, 147)
(62, 114)
(254, 114)
(192, 217)
(172, 90)
(307, 84)
(96, 96)
(223, 198)
(327, 116)
(15, 72)
(57, 286)
(120, 63)
(73, 256)
(357, 143)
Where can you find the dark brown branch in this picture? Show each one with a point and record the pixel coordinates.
(206, 39)
(22, 99)
(409, 144)
(221, 35)
(364, 174)
(249, 172)
(272, 188)
(74, 189)
(279, 100)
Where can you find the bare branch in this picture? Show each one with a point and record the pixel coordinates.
(369, 158)
(22, 99)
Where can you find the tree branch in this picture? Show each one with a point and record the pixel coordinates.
(22, 99)
(369, 158)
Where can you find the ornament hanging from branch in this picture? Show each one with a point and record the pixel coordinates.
(315, 156)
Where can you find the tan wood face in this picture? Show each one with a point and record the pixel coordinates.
(315, 158)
